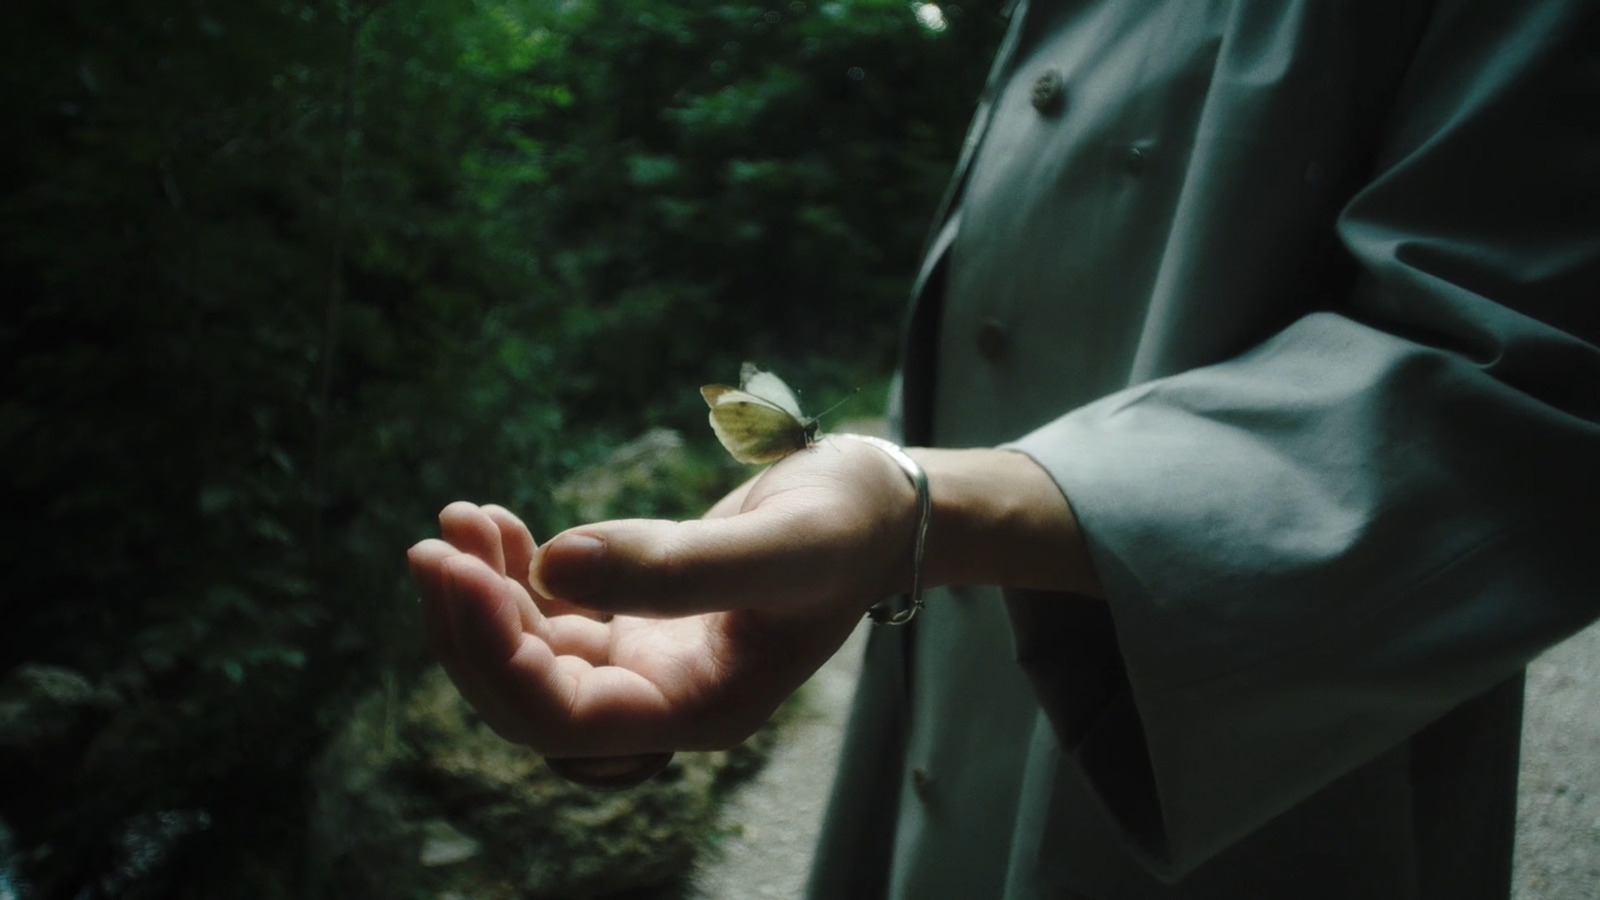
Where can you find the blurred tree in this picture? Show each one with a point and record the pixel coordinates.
(747, 180)
(284, 277)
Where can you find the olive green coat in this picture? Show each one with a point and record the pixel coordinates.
(1299, 303)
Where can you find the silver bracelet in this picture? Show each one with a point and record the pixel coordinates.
(881, 614)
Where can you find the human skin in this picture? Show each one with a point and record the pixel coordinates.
(642, 636)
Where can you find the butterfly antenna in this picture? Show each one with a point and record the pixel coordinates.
(848, 397)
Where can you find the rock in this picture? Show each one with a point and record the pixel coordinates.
(416, 797)
(651, 476)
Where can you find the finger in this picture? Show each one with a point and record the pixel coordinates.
(575, 635)
(612, 711)
(578, 635)
(762, 559)
(485, 629)
(426, 561)
(471, 530)
(559, 705)
(520, 549)
(501, 540)
(817, 531)
(516, 541)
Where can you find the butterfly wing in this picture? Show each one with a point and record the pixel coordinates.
(753, 428)
(770, 388)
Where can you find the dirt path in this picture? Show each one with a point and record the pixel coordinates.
(1558, 814)
(776, 817)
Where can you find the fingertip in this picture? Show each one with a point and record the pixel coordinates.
(461, 522)
(502, 515)
(416, 557)
(468, 527)
(423, 548)
(424, 559)
(427, 552)
(571, 566)
(550, 606)
(456, 510)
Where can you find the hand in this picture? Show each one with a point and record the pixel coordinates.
(716, 620)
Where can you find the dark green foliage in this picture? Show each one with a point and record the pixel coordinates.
(740, 179)
(283, 278)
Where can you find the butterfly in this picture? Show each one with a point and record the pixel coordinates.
(760, 420)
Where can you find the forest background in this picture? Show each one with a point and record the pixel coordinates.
(283, 278)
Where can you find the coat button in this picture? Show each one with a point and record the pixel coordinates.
(1049, 92)
(1135, 158)
(993, 339)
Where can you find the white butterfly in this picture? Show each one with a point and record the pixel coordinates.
(760, 420)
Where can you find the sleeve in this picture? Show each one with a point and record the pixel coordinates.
(1312, 550)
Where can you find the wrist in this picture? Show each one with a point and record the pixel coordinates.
(999, 518)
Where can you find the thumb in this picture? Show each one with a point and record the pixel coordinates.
(765, 558)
